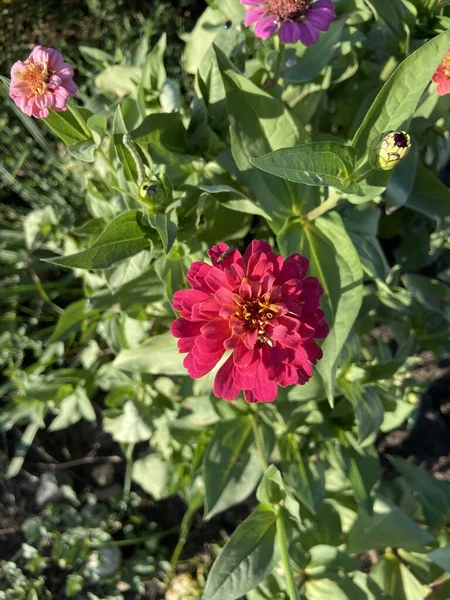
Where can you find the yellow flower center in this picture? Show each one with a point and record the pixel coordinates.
(36, 77)
(288, 9)
(446, 65)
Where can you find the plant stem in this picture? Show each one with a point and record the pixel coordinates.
(329, 204)
(279, 63)
(259, 444)
(128, 471)
(282, 540)
(185, 528)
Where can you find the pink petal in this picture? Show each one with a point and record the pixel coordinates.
(216, 279)
(265, 28)
(181, 328)
(224, 386)
(307, 34)
(263, 389)
(185, 299)
(289, 33)
(216, 330)
(257, 246)
(254, 14)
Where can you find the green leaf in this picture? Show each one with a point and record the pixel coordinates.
(122, 238)
(166, 228)
(434, 494)
(252, 117)
(160, 356)
(305, 478)
(395, 104)
(71, 320)
(97, 125)
(161, 132)
(338, 588)
(325, 560)
(401, 183)
(247, 558)
(72, 409)
(431, 293)
(228, 197)
(67, 126)
(395, 579)
(153, 475)
(271, 490)
(429, 196)
(22, 447)
(123, 154)
(119, 80)
(315, 163)
(153, 71)
(441, 556)
(209, 24)
(336, 264)
(392, 15)
(388, 526)
(129, 427)
(232, 465)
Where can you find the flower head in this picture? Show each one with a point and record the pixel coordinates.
(43, 81)
(298, 20)
(389, 150)
(263, 308)
(442, 76)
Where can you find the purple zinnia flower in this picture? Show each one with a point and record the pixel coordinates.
(299, 20)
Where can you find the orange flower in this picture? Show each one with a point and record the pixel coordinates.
(442, 76)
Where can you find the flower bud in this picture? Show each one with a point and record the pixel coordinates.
(389, 150)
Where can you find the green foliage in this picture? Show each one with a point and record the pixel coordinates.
(104, 208)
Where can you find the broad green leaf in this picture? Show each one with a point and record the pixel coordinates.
(247, 558)
(369, 412)
(67, 126)
(202, 36)
(258, 124)
(233, 9)
(396, 580)
(441, 556)
(434, 495)
(119, 80)
(392, 15)
(338, 588)
(401, 183)
(72, 409)
(388, 526)
(271, 490)
(429, 196)
(431, 293)
(97, 125)
(23, 446)
(166, 229)
(315, 163)
(305, 478)
(228, 197)
(232, 465)
(160, 356)
(122, 238)
(336, 264)
(161, 132)
(153, 71)
(395, 104)
(129, 427)
(71, 320)
(360, 467)
(128, 270)
(153, 475)
(326, 560)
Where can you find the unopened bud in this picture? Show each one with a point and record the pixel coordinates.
(389, 150)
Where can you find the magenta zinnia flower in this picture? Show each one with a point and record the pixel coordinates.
(299, 20)
(262, 308)
(43, 81)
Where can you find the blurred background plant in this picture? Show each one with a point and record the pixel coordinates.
(109, 451)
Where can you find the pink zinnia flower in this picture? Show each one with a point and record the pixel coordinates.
(442, 76)
(299, 20)
(43, 81)
(262, 308)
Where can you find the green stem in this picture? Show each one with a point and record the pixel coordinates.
(134, 541)
(282, 540)
(259, 446)
(185, 528)
(279, 63)
(329, 204)
(128, 471)
(362, 173)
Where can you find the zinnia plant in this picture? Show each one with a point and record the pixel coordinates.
(261, 307)
(42, 82)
